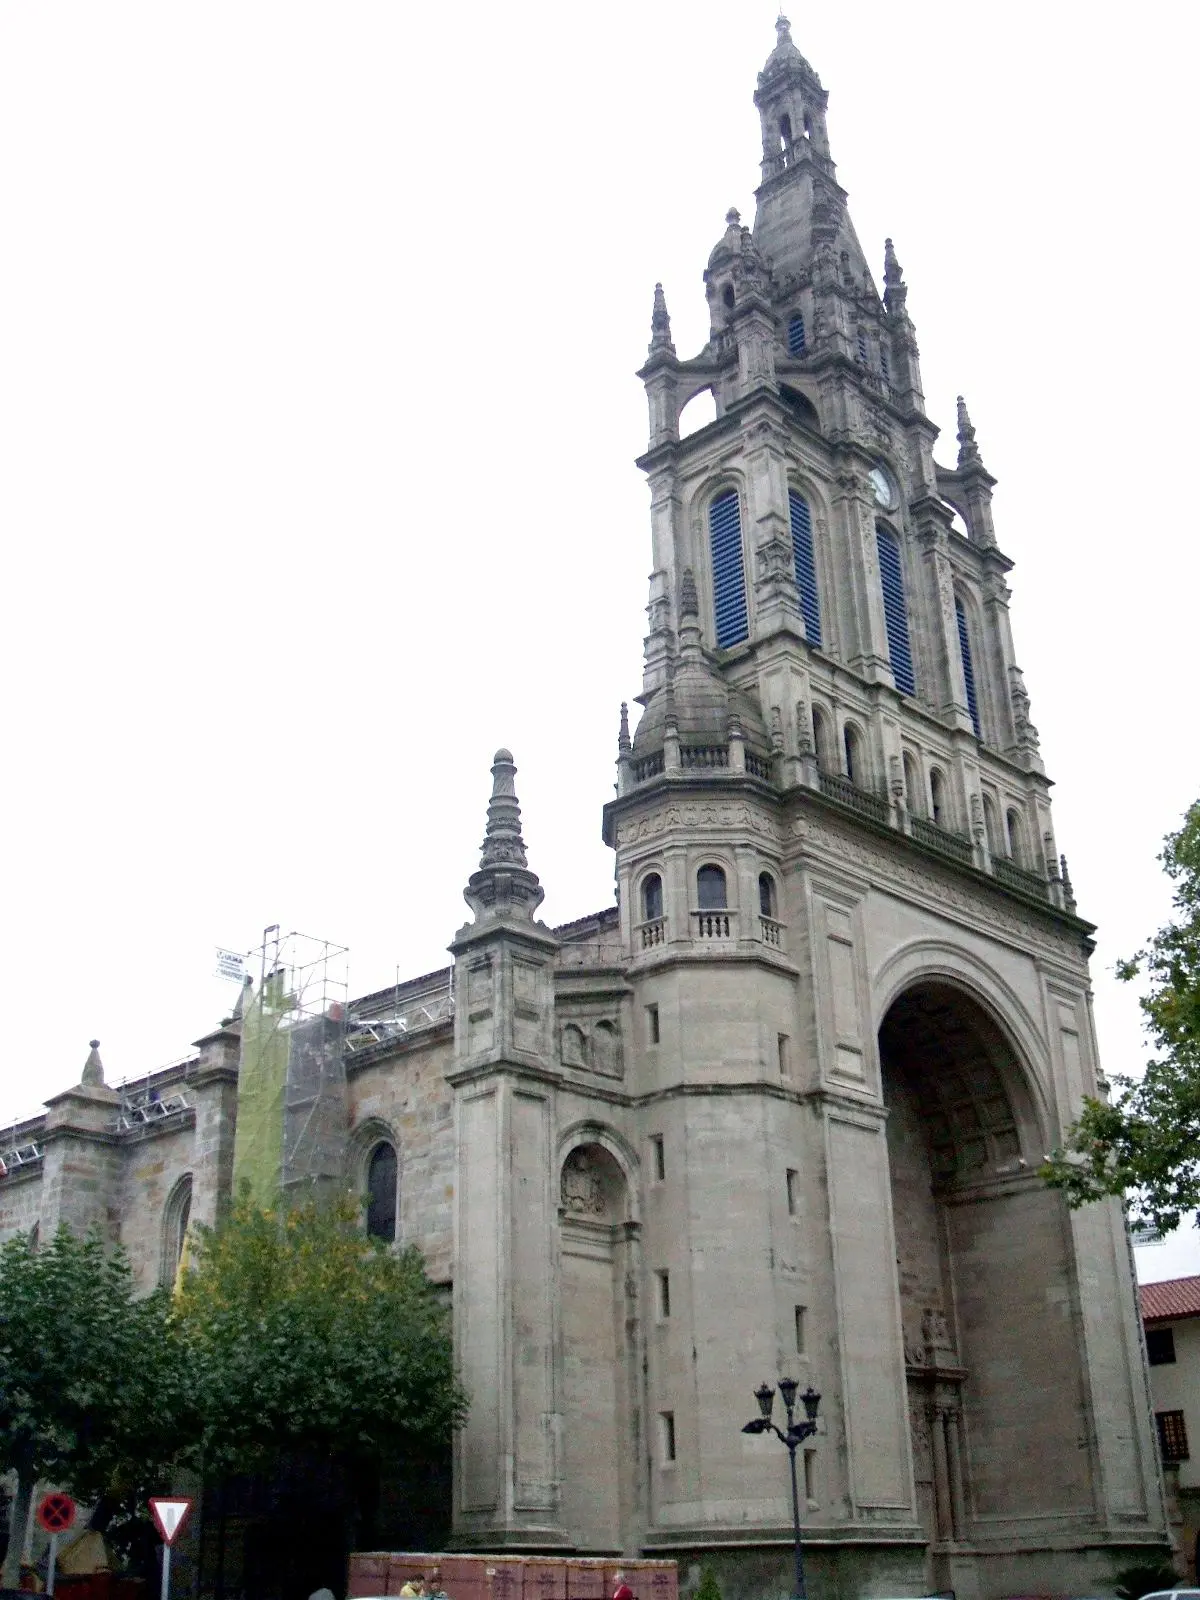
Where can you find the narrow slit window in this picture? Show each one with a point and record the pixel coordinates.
(659, 1148)
(785, 1056)
(801, 1330)
(664, 1295)
(728, 569)
(810, 1476)
(968, 666)
(796, 340)
(895, 610)
(666, 1435)
(793, 1191)
(652, 1026)
(806, 566)
(885, 365)
(862, 347)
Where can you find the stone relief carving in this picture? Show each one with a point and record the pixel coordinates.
(582, 1187)
(726, 817)
(592, 1044)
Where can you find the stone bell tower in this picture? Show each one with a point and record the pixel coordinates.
(859, 999)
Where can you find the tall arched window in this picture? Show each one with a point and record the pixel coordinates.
(964, 649)
(806, 566)
(652, 898)
(991, 827)
(1016, 838)
(176, 1217)
(895, 609)
(912, 786)
(728, 570)
(855, 765)
(821, 739)
(937, 797)
(785, 131)
(710, 889)
(766, 895)
(381, 1192)
(796, 341)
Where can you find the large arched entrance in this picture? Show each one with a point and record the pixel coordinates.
(986, 1289)
(598, 1322)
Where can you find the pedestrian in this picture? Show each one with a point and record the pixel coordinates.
(622, 1591)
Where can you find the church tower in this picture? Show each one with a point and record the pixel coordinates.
(858, 997)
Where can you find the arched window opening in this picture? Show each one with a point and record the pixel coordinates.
(991, 827)
(728, 569)
(855, 765)
(806, 566)
(175, 1225)
(912, 786)
(700, 410)
(785, 132)
(821, 738)
(800, 406)
(727, 296)
(895, 610)
(766, 895)
(652, 898)
(807, 126)
(862, 347)
(710, 888)
(1016, 838)
(381, 1192)
(937, 797)
(964, 650)
(796, 339)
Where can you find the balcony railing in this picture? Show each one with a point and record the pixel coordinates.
(653, 932)
(703, 755)
(1018, 877)
(771, 932)
(714, 926)
(942, 840)
(868, 805)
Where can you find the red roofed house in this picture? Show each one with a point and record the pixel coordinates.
(1171, 1314)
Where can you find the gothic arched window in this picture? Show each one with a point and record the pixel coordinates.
(785, 131)
(1016, 838)
(728, 570)
(652, 898)
(968, 666)
(796, 341)
(381, 1192)
(895, 609)
(806, 566)
(710, 889)
(176, 1217)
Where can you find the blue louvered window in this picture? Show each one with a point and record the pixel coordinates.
(964, 647)
(885, 365)
(796, 340)
(728, 569)
(895, 610)
(806, 567)
(862, 347)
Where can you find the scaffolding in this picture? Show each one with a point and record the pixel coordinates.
(290, 1140)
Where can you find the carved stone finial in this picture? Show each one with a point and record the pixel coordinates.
(93, 1068)
(689, 601)
(733, 217)
(504, 881)
(1067, 886)
(624, 744)
(783, 29)
(968, 450)
(893, 272)
(660, 324)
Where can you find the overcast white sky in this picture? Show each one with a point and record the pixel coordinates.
(318, 326)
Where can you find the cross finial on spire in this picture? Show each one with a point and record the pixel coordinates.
(968, 450)
(93, 1067)
(660, 323)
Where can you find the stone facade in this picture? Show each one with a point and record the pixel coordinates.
(781, 1111)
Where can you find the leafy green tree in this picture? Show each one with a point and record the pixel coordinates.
(303, 1335)
(1146, 1143)
(92, 1397)
(709, 1588)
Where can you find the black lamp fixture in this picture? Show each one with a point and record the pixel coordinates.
(795, 1436)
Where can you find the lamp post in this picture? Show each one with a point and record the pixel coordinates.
(795, 1436)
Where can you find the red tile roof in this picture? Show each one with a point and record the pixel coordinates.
(1178, 1297)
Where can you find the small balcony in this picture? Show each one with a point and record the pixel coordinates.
(714, 927)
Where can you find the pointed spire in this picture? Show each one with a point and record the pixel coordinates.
(689, 600)
(624, 743)
(1067, 886)
(968, 450)
(93, 1068)
(246, 991)
(660, 324)
(504, 883)
(893, 272)
(783, 30)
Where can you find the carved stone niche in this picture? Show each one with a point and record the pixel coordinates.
(591, 1188)
(590, 1041)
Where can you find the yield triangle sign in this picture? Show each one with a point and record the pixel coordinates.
(170, 1515)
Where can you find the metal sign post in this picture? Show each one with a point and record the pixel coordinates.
(55, 1514)
(169, 1517)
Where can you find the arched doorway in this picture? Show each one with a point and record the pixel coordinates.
(983, 1259)
(599, 1328)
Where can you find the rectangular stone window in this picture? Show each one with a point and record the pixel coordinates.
(664, 1294)
(1172, 1437)
(659, 1150)
(1160, 1347)
(783, 1045)
(801, 1315)
(652, 1033)
(793, 1192)
(810, 1478)
(666, 1437)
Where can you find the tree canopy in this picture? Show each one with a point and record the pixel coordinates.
(303, 1334)
(91, 1397)
(1145, 1143)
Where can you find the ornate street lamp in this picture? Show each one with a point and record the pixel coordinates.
(795, 1436)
